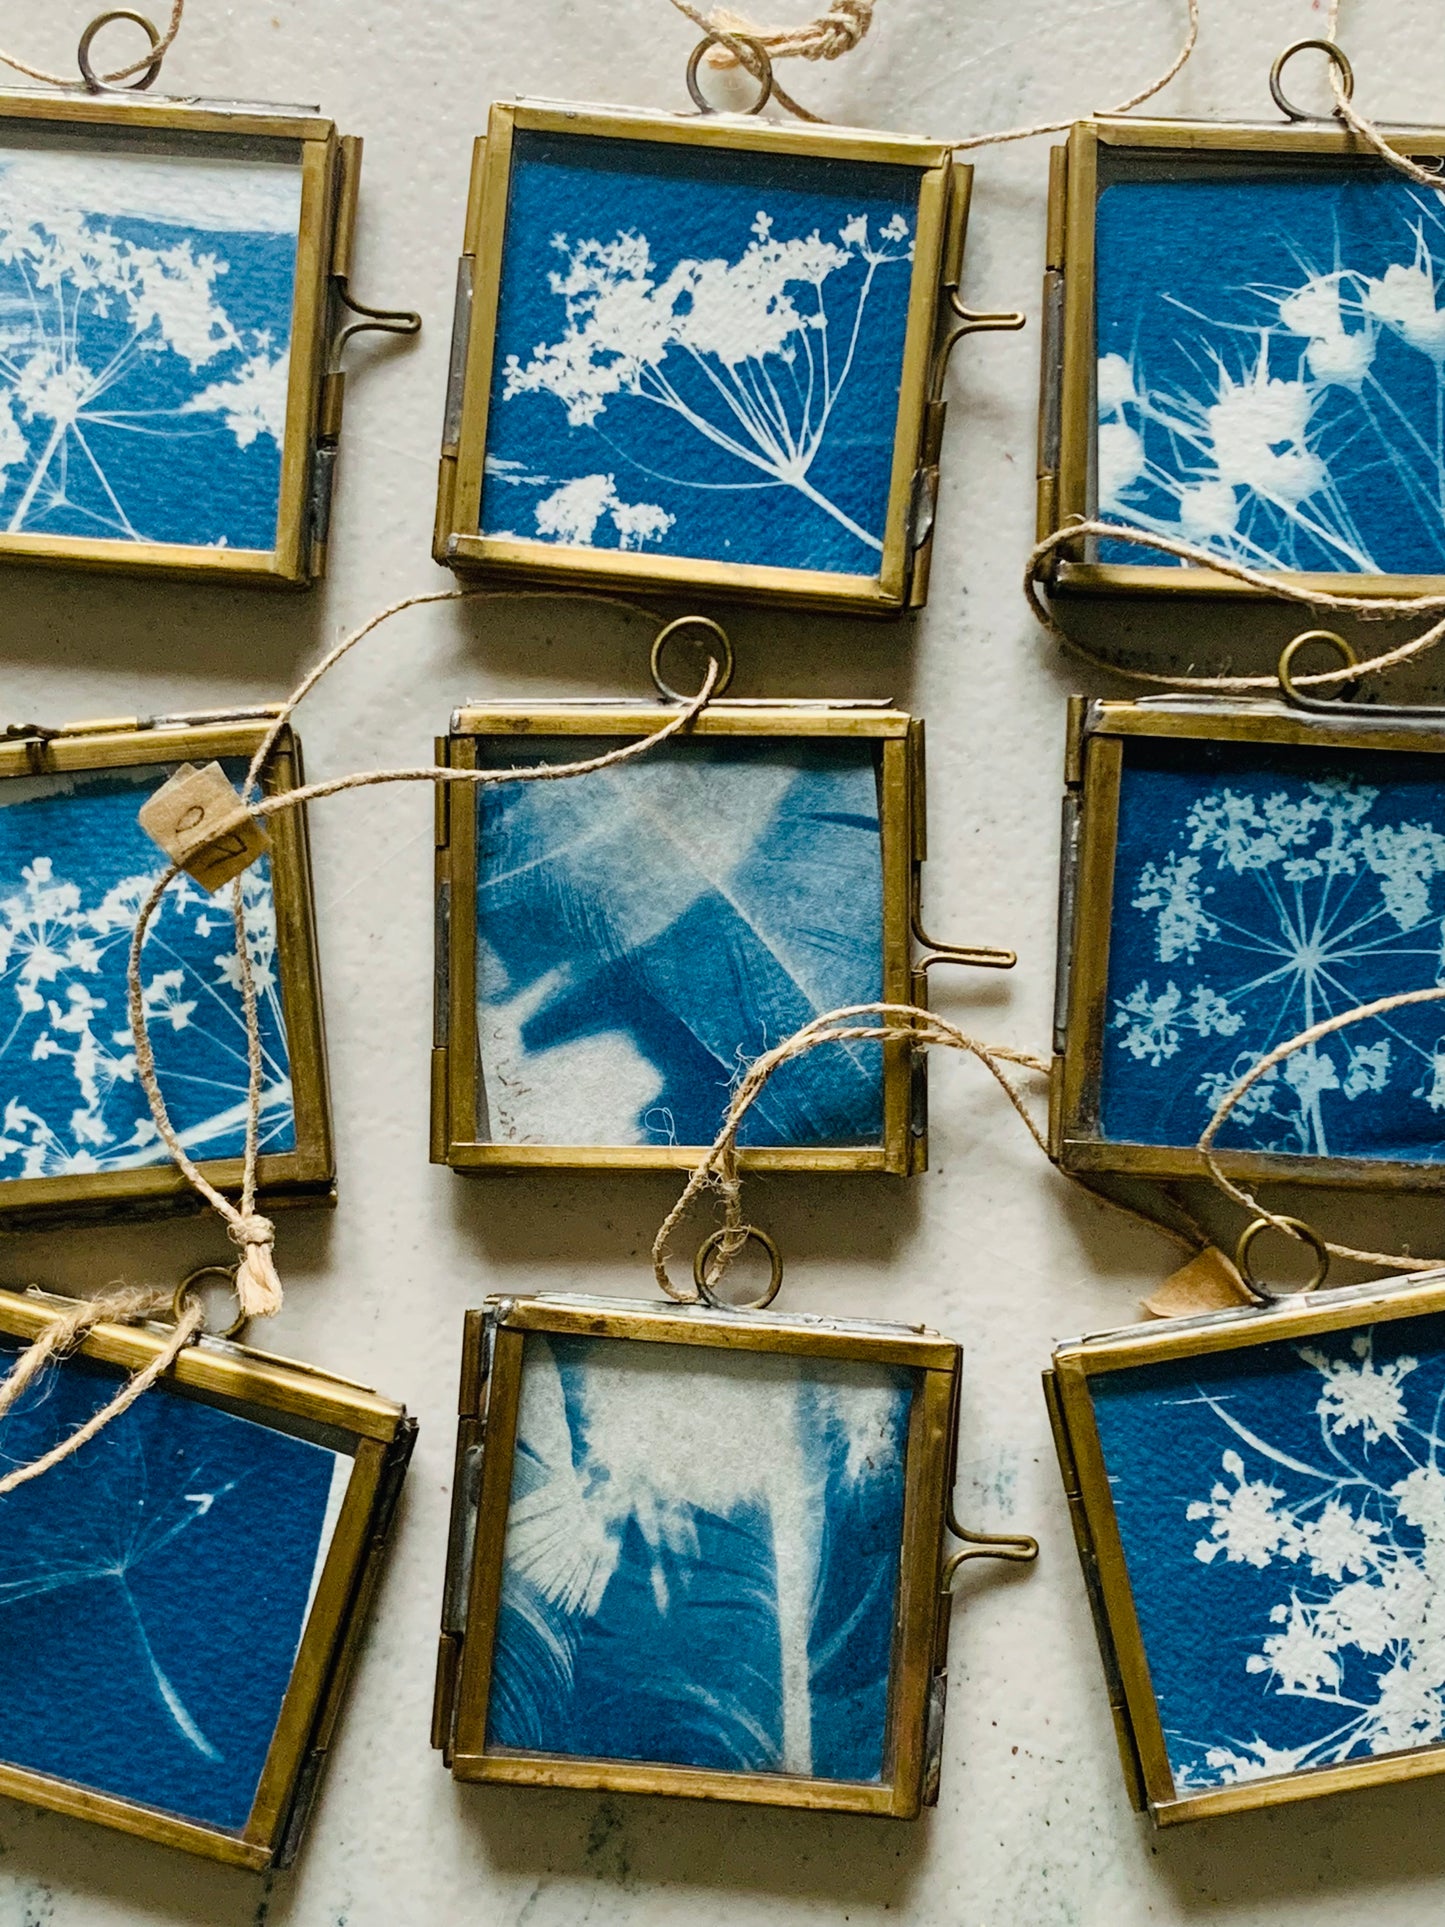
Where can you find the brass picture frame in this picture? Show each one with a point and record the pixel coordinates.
(1100, 152)
(935, 319)
(308, 1405)
(329, 167)
(456, 1054)
(498, 1336)
(1347, 1330)
(1099, 739)
(303, 1174)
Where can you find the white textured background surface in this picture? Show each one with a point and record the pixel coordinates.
(1033, 1829)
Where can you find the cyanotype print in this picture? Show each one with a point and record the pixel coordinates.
(646, 931)
(1271, 379)
(145, 343)
(1282, 1511)
(1257, 890)
(153, 1592)
(702, 1558)
(699, 352)
(75, 869)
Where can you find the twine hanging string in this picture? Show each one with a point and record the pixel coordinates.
(150, 58)
(1347, 111)
(258, 1285)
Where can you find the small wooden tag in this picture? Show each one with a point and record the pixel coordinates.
(1207, 1283)
(178, 817)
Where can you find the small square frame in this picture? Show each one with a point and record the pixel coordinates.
(305, 1174)
(903, 1149)
(492, 1358)
(1097, 732)
(945, 187)
(1138, 1730)
(383, 1435)
(330, 168)
(1098, 150)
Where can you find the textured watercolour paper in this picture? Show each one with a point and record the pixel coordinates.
(644, 932)
(1259, 889)
(75, 869)
(702, 1558)
(1271, 375)
(699, 352)
(145, 337)
(1282, 1513)
(154, 1589)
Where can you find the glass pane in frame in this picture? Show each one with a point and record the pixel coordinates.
(699, 351)
(702, 1558)
(644, 932)
(186, 1544)
(149, 286)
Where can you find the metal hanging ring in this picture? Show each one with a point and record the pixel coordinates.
(188, 1285)
(93, 82)
(1306, 1235)
(763, 73)
(1293, 693)
(1338, 61)
(749, 1233)
(721, 653)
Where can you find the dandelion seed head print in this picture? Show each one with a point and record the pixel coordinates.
(1271, 373)
(699, 352)
(1282, 1513)
(1258, 890)
(145, 332)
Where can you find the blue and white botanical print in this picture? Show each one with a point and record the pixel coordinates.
(701, 1560)
(1271, 377)
(1257, 890)
(646, 931)
(145, 339)
(1282, 1511)
(75, 869)
(154, 1589)
(699, 353)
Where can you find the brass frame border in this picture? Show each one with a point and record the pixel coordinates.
(1101, 1549)
(1068, 440)
(902, 1148)
(491, 1386)
(1098, 731)
(382, 1436)
(307, 1173)
(327, 167)
(944, 192)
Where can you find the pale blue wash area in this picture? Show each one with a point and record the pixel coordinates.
(645, 931)
(1271, 373)
(702, 1558)
(1259, 889)
(154, 1589)
(1282, 1512)
(145, 353)
(699, 352)
(75, 869)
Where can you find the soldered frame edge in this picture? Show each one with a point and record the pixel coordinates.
(458, 542)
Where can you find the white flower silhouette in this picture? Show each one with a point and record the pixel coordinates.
(745, 353)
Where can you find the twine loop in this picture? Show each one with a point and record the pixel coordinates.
(147, 64)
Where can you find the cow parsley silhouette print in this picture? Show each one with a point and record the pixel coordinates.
(145, 328)
(1271, 376)
(75, 868)
(699, 354)
(1291, 1603)
(186, 1544)
(1257, 891)
(701, 1558)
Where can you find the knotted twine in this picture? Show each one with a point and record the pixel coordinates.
(717, 1171)
(149, 58)
(258, 1285)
